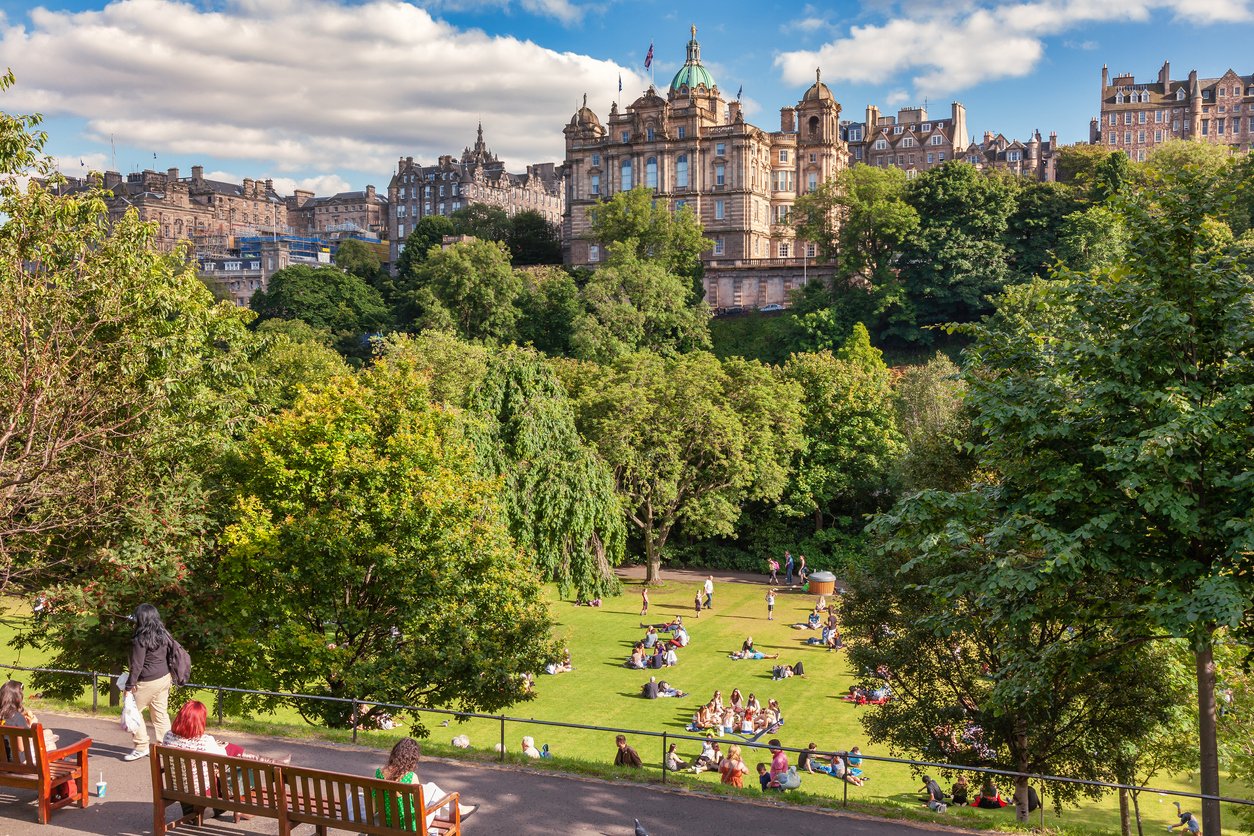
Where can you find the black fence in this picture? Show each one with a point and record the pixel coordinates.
(665, 737)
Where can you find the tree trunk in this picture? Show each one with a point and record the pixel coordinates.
(1208, 747)
(1136, 805)
(1021, 799)
(1125, 814)
(653, 561)
(818, 520)
(1021, 782)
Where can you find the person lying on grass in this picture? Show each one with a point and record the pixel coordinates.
(751, 654)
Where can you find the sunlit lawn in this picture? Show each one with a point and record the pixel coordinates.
(601, 691)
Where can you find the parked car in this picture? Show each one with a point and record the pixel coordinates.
(771, 308)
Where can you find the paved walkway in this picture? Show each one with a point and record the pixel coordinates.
(512, 801)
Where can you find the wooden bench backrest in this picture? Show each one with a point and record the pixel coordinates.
(382, 808)
(16, 748)
(224, 783)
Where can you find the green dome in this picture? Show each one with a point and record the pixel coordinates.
(692, 74)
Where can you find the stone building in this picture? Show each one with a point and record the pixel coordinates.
(695, 152)
(478, 176)
(1136, 116)
(210, 213)
(910, 140)
(238, 276)
(364, 211)
(1036, 158)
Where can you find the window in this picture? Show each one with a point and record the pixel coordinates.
(908, 142)
(936, 139)
(681, 132)
(681, 171)
(1119, 97)
(1158, 116)
(813, 157)
(594, 252)
(650, 172)
(1236, 108)
(1144, 96)
(810, 250)
(1223, 109)
(911, 174)
(781, 214)
(925, 127)
(881, 144)
(1114, 119)
(783, 155)
(897, 129)
(1127, 137)
(1205, 127)
(783, 250)
(719, 246)
(1206, 95)
(757, 247)
(625, 136)
(720, 149)
(1223, 91)
(1219, 126)
(857, 153)
(596, 160)
(940, 157)
(625, 179)
(1158, 136)
(720, 210)
(720, 175)
(1140, 156)
(648, 134)
(441, 191)
(855, 134)
(1140, 117)
(1175, 126)
(1140, 136)
(812, 182)
(1014, 156)
(1127, 118)
(594, 184)
(680, 204)
(1180, 95)
(931, 158)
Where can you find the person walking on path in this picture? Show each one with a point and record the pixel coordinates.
(709, 592)
(801, 569)
(773, 565)
(770, 605)
(788, 567)
(644, 601)
(149, 679)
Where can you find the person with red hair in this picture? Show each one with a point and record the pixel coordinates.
(188, 732)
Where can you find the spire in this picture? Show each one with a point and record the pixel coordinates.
(479, 141)
(818, 75)
(585, 99)
(694, 48)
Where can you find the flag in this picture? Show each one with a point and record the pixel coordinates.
(740, 92)
(620, 82)
(648, 59)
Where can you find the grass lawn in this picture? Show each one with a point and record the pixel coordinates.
(601, 691)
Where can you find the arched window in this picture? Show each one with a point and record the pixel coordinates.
(814, 126)
(681, 171)
(625, 180)
(650, 172)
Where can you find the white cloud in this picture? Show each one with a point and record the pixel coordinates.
(957, 46)
(564, 11)
(77, 165)
(897, 97)
(311, 86)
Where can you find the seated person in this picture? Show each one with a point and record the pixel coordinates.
(650, 638)
(671, 658)
(854, 760)
(747, 721)
(673, 762)
(961, 791)
(747, 644)
(736, 701)
(841, 770)
(709, 757)
(753, 703)
(765, 780)
(729, 720)
(773, 705)
(881, 694)
(857, 693)
(716, 701)
(529, 747)
(650, 690)
(832, 640)
(814, 620)
(664, 689)
(821, 606)
(806, 761)
(636, 660)
(680, 637)
(989, 797)
(658, 659)
(544, 750)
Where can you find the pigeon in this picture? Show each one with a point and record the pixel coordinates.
(445, 724)
(640, 831)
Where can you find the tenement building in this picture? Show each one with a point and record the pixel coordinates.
(911, 140)
(1037, 158)
(365, 211)
(694, 151)
(478, 176)
(1136, 116)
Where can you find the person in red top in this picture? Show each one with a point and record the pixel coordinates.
(779, 760)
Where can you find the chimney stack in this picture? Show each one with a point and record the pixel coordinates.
(370, 192)
(172, 175)
(787, 120)
(198, 173)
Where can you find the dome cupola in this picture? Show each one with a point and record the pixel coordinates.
(692, 74)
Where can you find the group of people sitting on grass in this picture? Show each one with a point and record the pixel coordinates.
(564, 665)
(653, 690)
(876, 693)
(658, 647)
(738, 715)
(846, 766)
(988, 798)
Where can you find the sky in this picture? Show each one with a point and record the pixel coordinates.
(328, 94)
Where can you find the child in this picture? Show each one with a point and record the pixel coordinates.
(770, 605)
(764, 779)
(696, 603)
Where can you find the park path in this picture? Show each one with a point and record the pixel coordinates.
(513, 801)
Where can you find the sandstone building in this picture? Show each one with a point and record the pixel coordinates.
(478, 176)
(364, 211)
(911, 140)
(1136, 116)
(695, 152)
(1037, 158)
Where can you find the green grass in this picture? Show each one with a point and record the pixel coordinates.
(600, 691)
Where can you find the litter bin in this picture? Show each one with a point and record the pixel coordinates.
(822, 583)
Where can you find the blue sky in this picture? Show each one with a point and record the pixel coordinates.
(327, 95)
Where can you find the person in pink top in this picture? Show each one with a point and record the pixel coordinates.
(779, 760)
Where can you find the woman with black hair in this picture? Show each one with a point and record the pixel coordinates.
(149, 679)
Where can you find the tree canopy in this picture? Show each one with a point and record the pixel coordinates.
(672, 239)
(325, 297)
(469, 288)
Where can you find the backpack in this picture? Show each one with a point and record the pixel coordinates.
(179, 661)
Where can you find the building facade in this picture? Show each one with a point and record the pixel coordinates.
(1137, 116)
(478, 176)
(1036, 158)
(694, 151)
(910, 140)
(364, 211)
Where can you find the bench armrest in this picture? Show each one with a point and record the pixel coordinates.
(442, 801)
(65, 751)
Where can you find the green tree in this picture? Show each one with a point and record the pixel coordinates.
(1092, 239)
(1034, 230)
(675, 240)
(533, 240)
(469, 287)
(427, 233)
(936, 428)
(548, 307)
(359, 259)
(367, 489)
(290, 356)
(557, 494)
(851, 438)
(957, 257)
(1115, 406)
(325, 297)
(636, 304)
(487, 223)
(1077, 164)
(689, 439)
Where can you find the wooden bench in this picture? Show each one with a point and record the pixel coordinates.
(291, 795)
(26, 763)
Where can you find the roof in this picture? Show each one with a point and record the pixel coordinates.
(693, 73)
(818, 91)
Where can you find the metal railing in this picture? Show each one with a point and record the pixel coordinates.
(666, 737)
